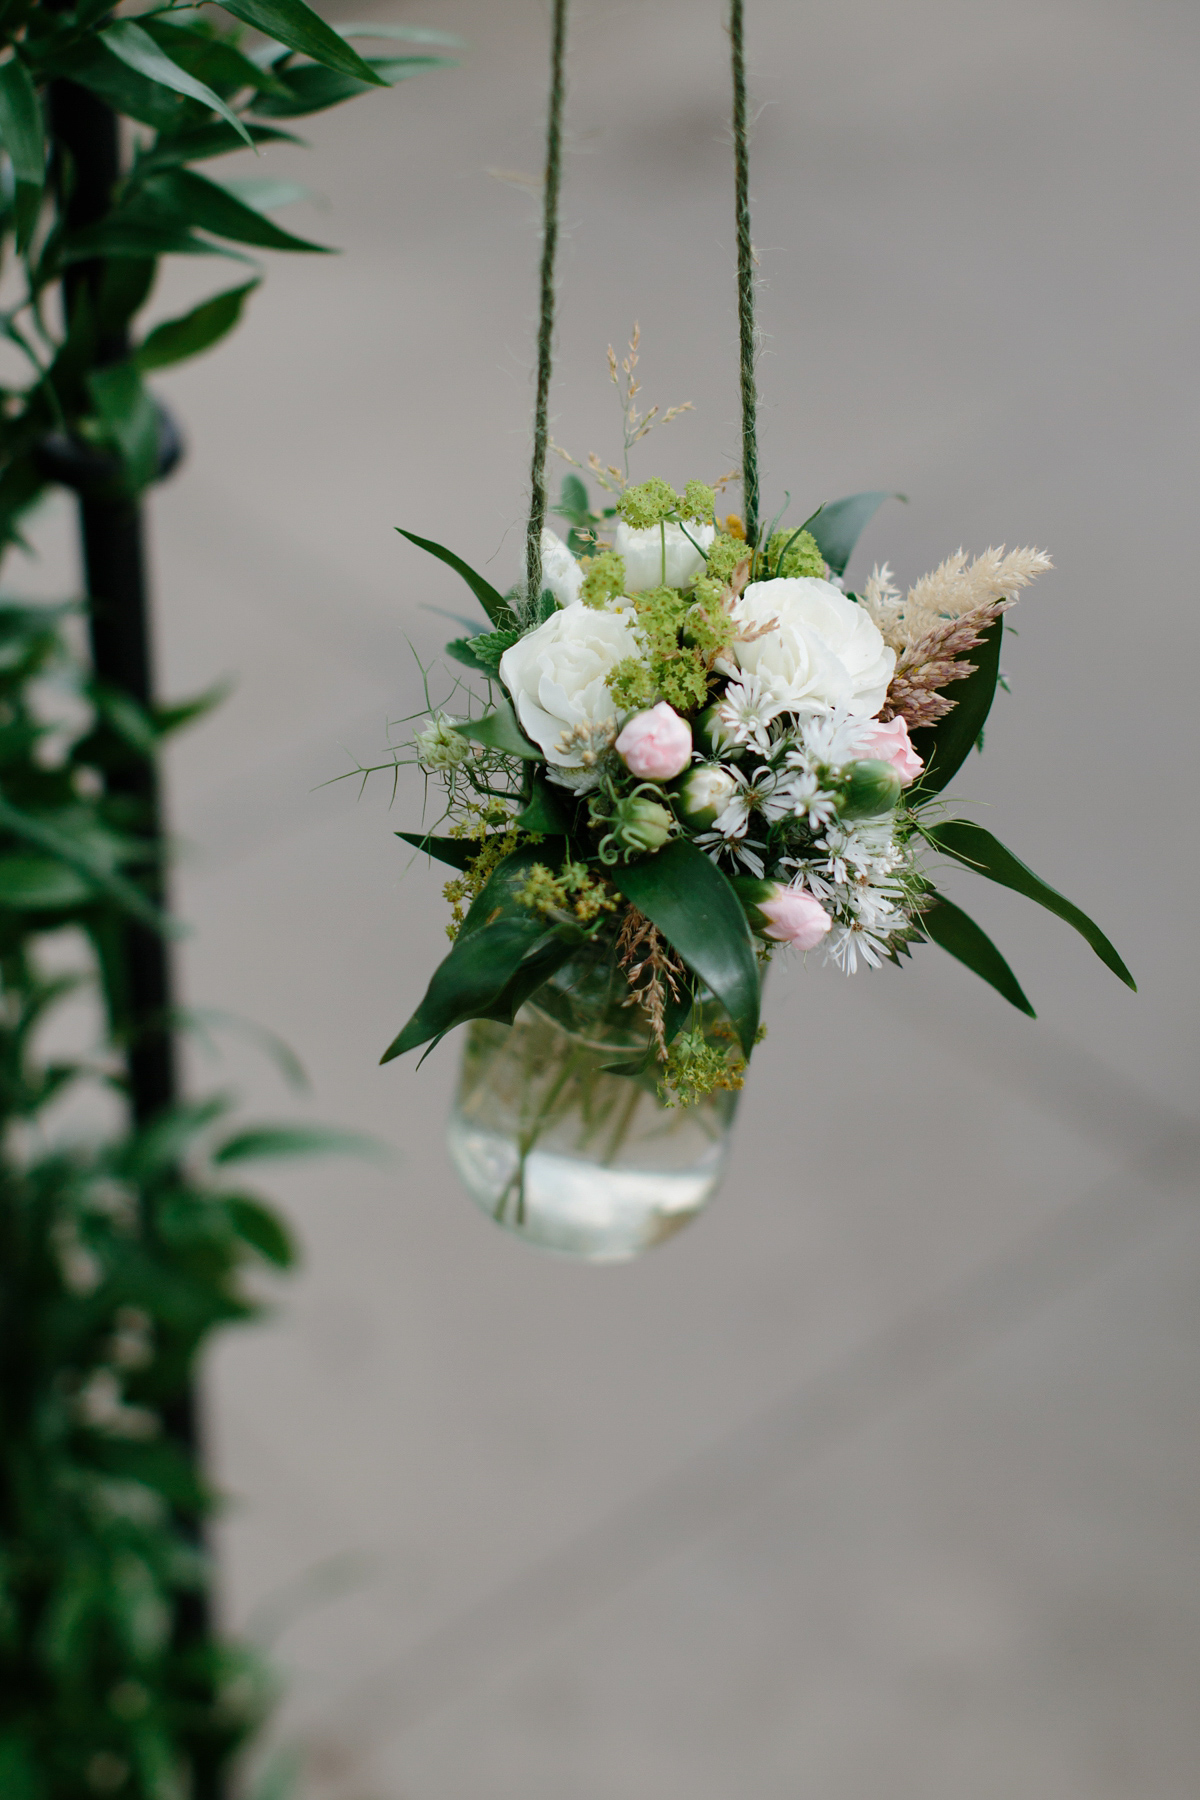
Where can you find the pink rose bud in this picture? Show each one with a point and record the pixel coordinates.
(794, 917)
(656, 745)
(890, 743)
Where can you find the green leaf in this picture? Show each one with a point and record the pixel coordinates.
(977, 849)
(494, 604)
(483, 651)
(499, 730)
(293, 23)
(700, 915)
(461, 651)
(180, 200)
(269, 1141)
(21, 134)
(40, 884)
(455, 851)
(90, 63)
(947, 925)
(190, 334)
(136, 48)
(545, 810)
(263, 1230)
(131, 417)
(838, 527)
(80, 855)
(170, 151)
(311, 89)
(947, 744)
(412, 34)
(481, 976)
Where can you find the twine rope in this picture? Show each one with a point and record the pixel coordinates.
(537, 482)
(745, 273)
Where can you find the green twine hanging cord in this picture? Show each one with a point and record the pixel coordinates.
(745, 274)
(537, 506)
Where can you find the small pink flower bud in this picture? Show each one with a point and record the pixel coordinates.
(794, 917)
(656, 745)
(890, 743)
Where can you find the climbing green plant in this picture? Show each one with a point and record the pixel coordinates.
(122, 1248)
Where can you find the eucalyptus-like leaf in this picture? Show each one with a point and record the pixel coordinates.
(125, 39)
(690, 901)
(946, 745)
(493, 603)
(177, 339)
(947, 925)
(293, 23)
(838, 526)
(977, 849)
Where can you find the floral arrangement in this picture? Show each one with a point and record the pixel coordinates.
(695, 752)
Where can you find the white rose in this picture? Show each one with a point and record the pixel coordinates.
(824, 650)
(662, 555)
(560, 572)
(556, 677)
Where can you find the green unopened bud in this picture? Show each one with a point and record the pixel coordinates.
(703, 794)
(640, 825)
(604, 578)
(870, 788)
(698, 502)
(712, 738)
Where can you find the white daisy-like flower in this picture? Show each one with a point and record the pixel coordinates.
(747, 710)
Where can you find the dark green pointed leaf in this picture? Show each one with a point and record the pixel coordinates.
(125, 39)
(131, 418)
(169, 152)
(40, 884)
(182, 200)
(946, 745)
(483, 650)
(499, 730)
(461, 651)
(268, 1142)
(545, 811)
(311, 89)
(293, 23)
(412, 34)
(457, 852)
(838, 527)
(78, 854)
(700, 915)
(21, 134)
(127, 91)
(176, 339)
(977, 849)
(262, 1229)
(947, 925)
(493, 603)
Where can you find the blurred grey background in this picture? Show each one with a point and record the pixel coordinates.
(882, 1478)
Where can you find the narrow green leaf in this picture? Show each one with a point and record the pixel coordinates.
(176, 339)
(838, 527)
(493, 603)
(40, 884)
(90, 63)
(457, 852)
(21, 134)
(79, 855)
(171, 150)
(131, 417)
(135, 47)
(460, 650)
(264, 1142)
(947, 925)
(977, 849)
(311, 89)
(412, 34)
(700, 915)
(263, 1230)
(182, 200)
(946, 745)
(293, 23)
(499, 730)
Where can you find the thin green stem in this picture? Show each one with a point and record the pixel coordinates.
(745, 273)
(541, 414)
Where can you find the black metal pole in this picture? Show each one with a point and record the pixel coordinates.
(87, 148)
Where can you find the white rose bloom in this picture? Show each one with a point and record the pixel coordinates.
(556, 677)
(644, 553)
(825, 650)
(560, 572)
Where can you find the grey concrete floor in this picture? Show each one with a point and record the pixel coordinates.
(882, 1479)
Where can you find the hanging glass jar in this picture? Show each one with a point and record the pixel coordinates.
(562, 1132)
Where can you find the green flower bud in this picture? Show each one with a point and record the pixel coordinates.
(640, 825)
(712, 738)
(704, 793)
(698, 502)
(604, 578)
(870, 788)
(648, 504)
(791, 554)
(724, 555)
